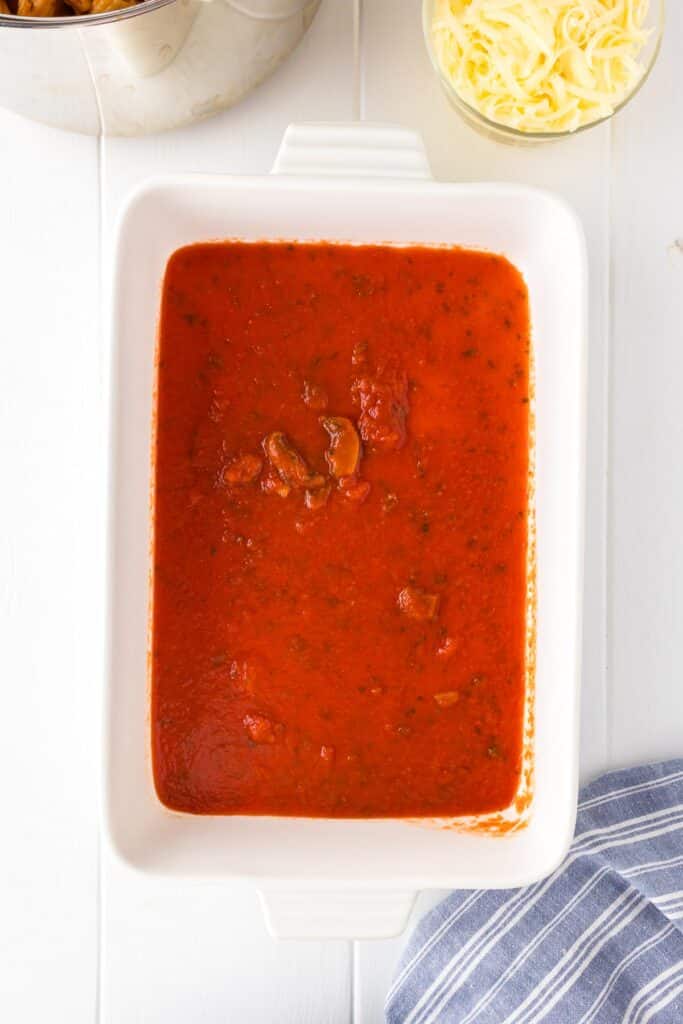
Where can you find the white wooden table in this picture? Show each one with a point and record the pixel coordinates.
(81, 938)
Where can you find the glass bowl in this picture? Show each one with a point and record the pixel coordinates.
(654, 22)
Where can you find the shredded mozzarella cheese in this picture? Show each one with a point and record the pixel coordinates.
(541, 65)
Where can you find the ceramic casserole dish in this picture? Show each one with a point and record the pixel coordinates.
(360, 184)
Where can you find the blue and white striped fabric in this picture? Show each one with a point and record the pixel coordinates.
(599, 942)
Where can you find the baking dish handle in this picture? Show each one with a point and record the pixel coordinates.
(360, 149)
(336, 914)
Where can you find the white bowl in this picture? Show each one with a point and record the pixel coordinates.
(357, 183)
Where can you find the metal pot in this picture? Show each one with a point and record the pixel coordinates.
(147, 68)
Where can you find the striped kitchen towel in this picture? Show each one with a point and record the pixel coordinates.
(600, 941)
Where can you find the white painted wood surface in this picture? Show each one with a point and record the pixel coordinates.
(50, 628)
(175, 953)
(645, 625)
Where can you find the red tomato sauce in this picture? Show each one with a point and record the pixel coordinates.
(340, 531)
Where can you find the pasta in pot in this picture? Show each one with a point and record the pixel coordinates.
(41, 8)
(100, 6)
(62, 8)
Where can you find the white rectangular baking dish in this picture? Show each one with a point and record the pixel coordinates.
(357, 183)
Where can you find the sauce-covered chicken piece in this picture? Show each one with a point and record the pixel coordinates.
(447, 699)
(290, 465)
(343, 454)
(354, 489)
(261, 729)
(314, 396)
(417, 604)
(383, 399)
(317, 499)
(242, 470)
